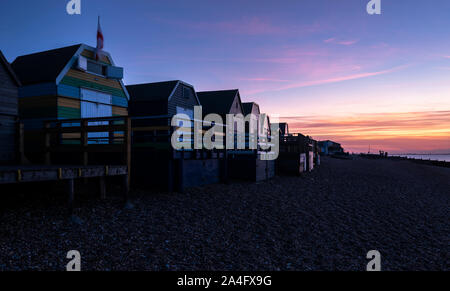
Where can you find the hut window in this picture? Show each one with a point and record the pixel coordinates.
(96, 68)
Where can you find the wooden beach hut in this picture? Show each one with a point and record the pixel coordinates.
(36, 88)
(9, 84)
(242, 164)
(152, 106)
(296, 152)
(69, 83)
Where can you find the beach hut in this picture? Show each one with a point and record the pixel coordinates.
(152, 106)
(296, 153)
(242, 164)
(284, 129)
(329, 147)
(68, 83)
(9, 84)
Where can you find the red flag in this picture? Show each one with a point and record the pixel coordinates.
(100, 41)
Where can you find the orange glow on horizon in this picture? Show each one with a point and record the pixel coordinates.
(412, 132)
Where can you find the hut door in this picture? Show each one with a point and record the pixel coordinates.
(96, 104)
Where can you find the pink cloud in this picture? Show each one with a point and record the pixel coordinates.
(347, 42)
(310, 83)
(263, 80)
(341, 42)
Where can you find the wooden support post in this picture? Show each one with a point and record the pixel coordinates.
(102, 185)
(127, 150)
(110, 132)
(225, 167)
(180, 174)
(126, 192)
(170, 176)
(21, 144)
(71, 195)
(84, 142)
(47, 144)
(126, 188)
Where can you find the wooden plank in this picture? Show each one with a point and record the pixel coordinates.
(94, 78)
(120, 111)
(68, 102)
(96, 128)
(53, 173)
(91, 55)
(151, 128)
(75, 82)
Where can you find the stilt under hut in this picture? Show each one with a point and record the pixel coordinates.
(73, 107)
(155, 161)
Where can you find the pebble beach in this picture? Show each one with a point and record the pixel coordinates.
(326, 220)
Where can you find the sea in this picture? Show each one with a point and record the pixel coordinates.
(445, 158)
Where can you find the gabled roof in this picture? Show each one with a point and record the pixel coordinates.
(248, 107)
(218, 102)
(152, 91)
(159, 91)
(51, 66)
(8, 68)
(284, 127)
(43, 67)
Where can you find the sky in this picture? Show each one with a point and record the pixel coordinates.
(327, 67)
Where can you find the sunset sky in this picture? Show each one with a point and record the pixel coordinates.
(325, 66)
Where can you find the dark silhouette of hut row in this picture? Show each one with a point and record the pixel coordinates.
(298, 153)
(246, 163)
(65, 107)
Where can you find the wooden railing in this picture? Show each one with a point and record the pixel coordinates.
(112, 135)
(295, 143)
(92, 135)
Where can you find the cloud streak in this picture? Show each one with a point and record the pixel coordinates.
(309, 83)
(334, 40)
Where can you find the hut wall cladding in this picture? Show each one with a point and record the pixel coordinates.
(201, 172)
(236, 107)
(91, 55)
(8, 115)
(250, 168)
(183, 96)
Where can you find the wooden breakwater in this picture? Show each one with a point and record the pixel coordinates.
(418, 161)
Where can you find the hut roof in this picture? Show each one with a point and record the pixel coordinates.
(218, 102)
(152, 91)
(284, 127)
(52, 65)
(8, 68)
(43, 67)
(248, 107)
